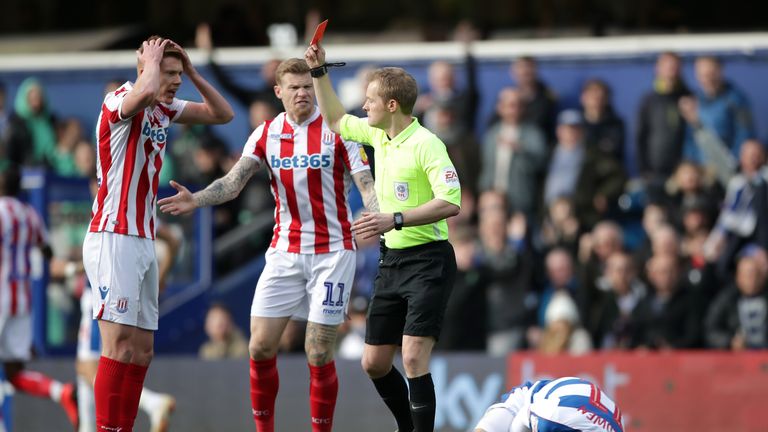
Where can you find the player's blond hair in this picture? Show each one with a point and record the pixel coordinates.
(295, 66)
(395, 83)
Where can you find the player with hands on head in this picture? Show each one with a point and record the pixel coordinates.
(118, 251)
(417, 188)
(310, 263)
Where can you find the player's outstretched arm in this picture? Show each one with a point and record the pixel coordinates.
(330, 106)
(365, 184)
(214, 109)
(220, 191)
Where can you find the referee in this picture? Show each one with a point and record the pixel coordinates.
(417, 188)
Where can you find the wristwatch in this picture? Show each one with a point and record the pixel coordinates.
(398, 221)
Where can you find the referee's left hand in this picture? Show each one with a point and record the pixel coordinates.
(373, 224)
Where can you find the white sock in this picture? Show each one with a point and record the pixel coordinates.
(149, 400)
(55, 391)
(86, 406)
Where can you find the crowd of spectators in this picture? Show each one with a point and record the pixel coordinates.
(544, 260)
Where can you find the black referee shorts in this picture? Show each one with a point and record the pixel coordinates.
(410, 293)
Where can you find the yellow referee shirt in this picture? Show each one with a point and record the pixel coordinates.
(411, 169)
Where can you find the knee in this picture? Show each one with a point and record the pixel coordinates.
(143, 357)
(318, 354)
(261, 350)
(414, 363)
(375, 368)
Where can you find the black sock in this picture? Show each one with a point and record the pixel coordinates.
(423, 403)
(394, 393)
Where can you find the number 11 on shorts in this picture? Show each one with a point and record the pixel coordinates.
(329, 294)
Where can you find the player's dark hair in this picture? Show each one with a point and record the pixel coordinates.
(10, 181)
(395, 83)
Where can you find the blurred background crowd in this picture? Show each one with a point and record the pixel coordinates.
(575, 235)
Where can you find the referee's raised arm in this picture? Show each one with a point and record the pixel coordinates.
(330, 107)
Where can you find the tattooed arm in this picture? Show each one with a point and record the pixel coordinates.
(220, 191)
(364, 182)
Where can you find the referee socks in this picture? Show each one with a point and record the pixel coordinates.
(394, 393)
(423, 403)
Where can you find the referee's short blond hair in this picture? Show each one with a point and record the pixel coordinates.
(395, 83)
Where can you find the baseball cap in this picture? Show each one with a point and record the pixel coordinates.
(570, 117)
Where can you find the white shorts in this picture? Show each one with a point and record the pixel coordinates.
(15, 337)
(308, 286)
(88, 336)
(500, 419)
(123, 274)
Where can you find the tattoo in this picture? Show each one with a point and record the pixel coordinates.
(229, 186)
(320, 343)
(365, 184)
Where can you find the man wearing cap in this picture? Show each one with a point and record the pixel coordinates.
(585, 175)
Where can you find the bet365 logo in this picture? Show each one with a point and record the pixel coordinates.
(157, 135)
(316, 160)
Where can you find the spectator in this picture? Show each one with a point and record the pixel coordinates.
(245, 96)
(603, 126)
(560, 227)
(612, 323)
(605, 239)
(506, 255)
(690, 184)
(444, 92)
(514, 155)
(462, 330)
(667, 318)
(654, 217)
(539, 102)
(62, 159)
(225, 340)
(561, 277)
(743, 207)
(660, 127)
(563, 333)
(738, 317)
(31, 136)
(723, 109)
(594, 181)
(85, 159)
(5, 120)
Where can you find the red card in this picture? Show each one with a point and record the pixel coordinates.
(319, 32)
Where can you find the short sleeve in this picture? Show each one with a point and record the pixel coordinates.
(357, 129)
(443, 179)
(354, 157)
(176, 108)
(256, 145)
(113, 103)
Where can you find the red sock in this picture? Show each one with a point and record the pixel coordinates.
(132, 385)
(323, 388)
(106, 391)
(264, 385)
(33, 383)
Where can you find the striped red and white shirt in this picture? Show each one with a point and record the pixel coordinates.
(21, 229)
(310, 170)
(129, 157)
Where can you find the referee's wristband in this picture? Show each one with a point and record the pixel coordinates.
(321, 70)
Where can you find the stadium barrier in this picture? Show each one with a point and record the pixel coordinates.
(659, 392)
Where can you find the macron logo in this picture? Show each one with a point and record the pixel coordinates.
(103, 291)
(260, 413)
(321, 420)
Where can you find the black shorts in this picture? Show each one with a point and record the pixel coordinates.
(410, 293)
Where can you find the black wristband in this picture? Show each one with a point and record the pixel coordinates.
(321, 70)
(398, 217)
(318, 71)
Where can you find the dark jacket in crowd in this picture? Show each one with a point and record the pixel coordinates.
(660, 132)
(724, 320)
